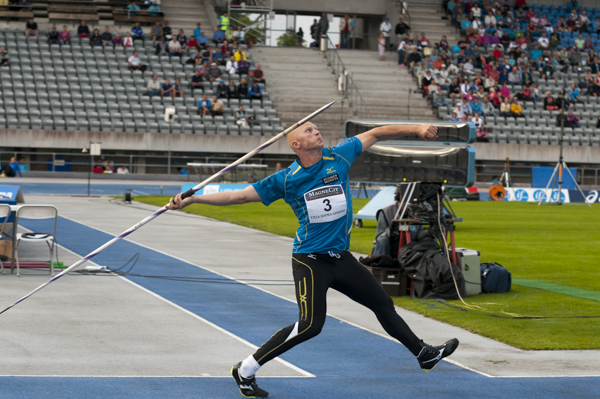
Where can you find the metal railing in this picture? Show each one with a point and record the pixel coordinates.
(345, 82)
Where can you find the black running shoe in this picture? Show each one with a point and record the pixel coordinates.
(247, 386)
(431, 355)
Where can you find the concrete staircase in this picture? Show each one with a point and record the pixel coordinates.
(387, 88)
(185, 14)
(428, 20)
(299, 82)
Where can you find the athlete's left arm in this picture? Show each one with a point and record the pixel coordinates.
(391, 132)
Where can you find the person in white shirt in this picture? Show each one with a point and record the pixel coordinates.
(401, 48)
(476, 119)
(386, 28)
(175, 48)
(490, 19)
(154, 86)
(231, 66)
(135, 64)
(468, 67)
(122, 170)
(458, 111)
(127, 40)
(543, 41)
(476, 11)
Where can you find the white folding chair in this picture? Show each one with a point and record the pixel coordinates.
(4, 214)
(37, 212)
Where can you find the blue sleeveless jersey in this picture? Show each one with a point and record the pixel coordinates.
(320, 197)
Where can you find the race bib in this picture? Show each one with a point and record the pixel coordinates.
(325, 204)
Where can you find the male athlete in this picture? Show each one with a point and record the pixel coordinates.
(317, 188)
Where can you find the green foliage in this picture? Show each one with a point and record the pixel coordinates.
(288, 39)
(549, 243)
(245, 20)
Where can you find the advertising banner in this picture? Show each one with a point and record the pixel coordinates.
(535, 194)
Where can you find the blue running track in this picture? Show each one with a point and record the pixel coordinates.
(348, 362)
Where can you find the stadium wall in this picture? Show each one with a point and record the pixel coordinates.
(582, 3)
(536, 153)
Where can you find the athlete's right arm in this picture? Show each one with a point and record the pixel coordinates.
(248, 194)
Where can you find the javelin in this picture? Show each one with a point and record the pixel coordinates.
(162, 210)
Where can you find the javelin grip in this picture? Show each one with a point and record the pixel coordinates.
(188, 193)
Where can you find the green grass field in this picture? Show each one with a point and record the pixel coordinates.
(555, 244)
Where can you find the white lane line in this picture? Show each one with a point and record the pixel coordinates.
(143, 376)
(254, 347)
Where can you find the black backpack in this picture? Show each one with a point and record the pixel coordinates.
(495, 278)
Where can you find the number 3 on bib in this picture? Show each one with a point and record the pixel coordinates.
(325, 204)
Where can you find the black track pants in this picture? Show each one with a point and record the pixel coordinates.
(313, 275)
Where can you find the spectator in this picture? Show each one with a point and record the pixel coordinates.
(157, 32)
(31, 28)
(504, 92)
(402, 29)
(11, 169)
(465, 106)
(516, 110)
(197, 31)
(454, 118)
(544, 42)
(118, 40)
(218, 36)
(221, 89)
(314, 32)
(167, 89)
(572, 119)
(53, 36)
(107, 38)
(476, 107)
(197, 80)
(258, 76)
(548, 70)
(477, 120)
(224, 21)
(204, 106)
(122, 170)
(132, 8)
(196, 58)
(241, 117)
(346, 26)
(482, 135)
(154, 9)
(23, 166)
(137, 33)
(175, 48)
(401, 48)
(3, 57)
(202, 41)
(458, 111)
(127, 41)
(192, 43)
(514, 77)
(135, 64)
(487, 108)
(505, 107)
(83, 30)
(243, 89)
(232, 90)
(154, 86)
(426, 81)
(573, 93)
(550, 103)
(561, 119)
(413, 58)
(167, 32)
(231, 66)
(579, 43)
(454, 89)
(207, 55)
(216, 107)
(239, 35)
(96, 40)
(161, 47)
(64, 36)
(240, 55)
(323, 25)
(226, 50)
(177, 88)
(525, 94)
(255, 93)
(182, 39)
(214, 73)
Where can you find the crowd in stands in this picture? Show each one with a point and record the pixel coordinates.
(505, 53)
(216, 59)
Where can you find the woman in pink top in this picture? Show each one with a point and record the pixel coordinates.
(128, 41)
(504, 91)
(64, 36)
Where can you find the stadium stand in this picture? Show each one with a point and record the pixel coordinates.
(79, 87)
(549, 70)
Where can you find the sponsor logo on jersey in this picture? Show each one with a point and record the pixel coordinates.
(324, 192)
(331, 179)
(330, 170)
